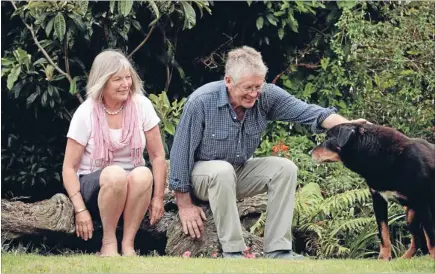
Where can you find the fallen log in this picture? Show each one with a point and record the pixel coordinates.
(51, 222)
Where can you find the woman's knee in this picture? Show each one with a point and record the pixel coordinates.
(141, 179)
(114, 177)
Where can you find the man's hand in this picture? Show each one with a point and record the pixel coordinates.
(191, 217)
(335, 119)
(156, 210)
(360, 121)
(84, 226)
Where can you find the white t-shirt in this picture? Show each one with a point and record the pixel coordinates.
(80, 130)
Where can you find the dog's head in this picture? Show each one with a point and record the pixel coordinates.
(337, 138)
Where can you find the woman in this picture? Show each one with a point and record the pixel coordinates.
(104, 170)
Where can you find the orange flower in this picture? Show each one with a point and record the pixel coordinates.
(280, 147)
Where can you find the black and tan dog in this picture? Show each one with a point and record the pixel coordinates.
(394, 167)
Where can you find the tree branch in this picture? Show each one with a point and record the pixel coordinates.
(143, 42)
(79, 97)
(66, 54)
(309, 66)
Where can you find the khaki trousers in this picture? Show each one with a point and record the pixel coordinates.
(222, 184)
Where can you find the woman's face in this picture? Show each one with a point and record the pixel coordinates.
(118, 86)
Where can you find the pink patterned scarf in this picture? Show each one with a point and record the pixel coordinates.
(102, 154)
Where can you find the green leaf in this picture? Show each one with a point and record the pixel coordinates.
(155, 9)
(136, 24)
(13, 76)
(169, 127)
(124, 7)
(112, 6)
(294, 25)
(324, 62)
(78, 21)
(189, 15)
(60, 26)
(50, 89)
(41, 60)
(82, 6)
(260, 22)
(49, 27)
(73, 86)
(272, 19)
(281, 33)
(32, 98)
(43, 180)
(18, 87)
(346, 4)
(44, 99)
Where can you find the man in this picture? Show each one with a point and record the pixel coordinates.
(218, 133)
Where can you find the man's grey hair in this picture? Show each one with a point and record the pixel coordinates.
(106, 64)
(244, 61)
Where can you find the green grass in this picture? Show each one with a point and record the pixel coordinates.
(87, 263)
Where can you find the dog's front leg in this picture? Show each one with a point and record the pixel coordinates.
(380, 206)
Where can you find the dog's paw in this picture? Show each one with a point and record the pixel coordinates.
(409, 253)
(385, 254)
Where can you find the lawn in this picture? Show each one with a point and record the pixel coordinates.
(87, 263)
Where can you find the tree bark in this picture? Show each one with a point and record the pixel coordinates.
(54, 218)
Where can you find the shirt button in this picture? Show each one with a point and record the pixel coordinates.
(237, 155)
(212, 135)
(235, 117)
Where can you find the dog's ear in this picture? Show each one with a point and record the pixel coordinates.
(344, 134)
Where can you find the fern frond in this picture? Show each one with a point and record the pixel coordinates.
(342, 201)
(353, 225)
(312, 228)
(258, 227)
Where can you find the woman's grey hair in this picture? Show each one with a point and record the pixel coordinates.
(106, 64)
(244, 61)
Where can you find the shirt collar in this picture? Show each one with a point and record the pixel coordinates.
(223, 95)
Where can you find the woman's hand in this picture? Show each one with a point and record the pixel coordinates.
(156, 210)
(84, 226)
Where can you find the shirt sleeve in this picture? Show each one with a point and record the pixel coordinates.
(80, 128)
(187, 138)
(282, 106)
(149, 116)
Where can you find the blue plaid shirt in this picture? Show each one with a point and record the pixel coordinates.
(209, 128)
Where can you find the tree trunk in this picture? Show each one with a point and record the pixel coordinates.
(52, 222)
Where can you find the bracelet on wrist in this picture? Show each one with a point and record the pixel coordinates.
(74, 194)
(80, 210)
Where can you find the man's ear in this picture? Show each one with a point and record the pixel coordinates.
(228, 81)
(344, 134)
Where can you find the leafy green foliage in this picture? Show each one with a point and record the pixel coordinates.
(280, 15)
(380, 69)
(169, 114)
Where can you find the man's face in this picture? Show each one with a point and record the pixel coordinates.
(246, 91)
